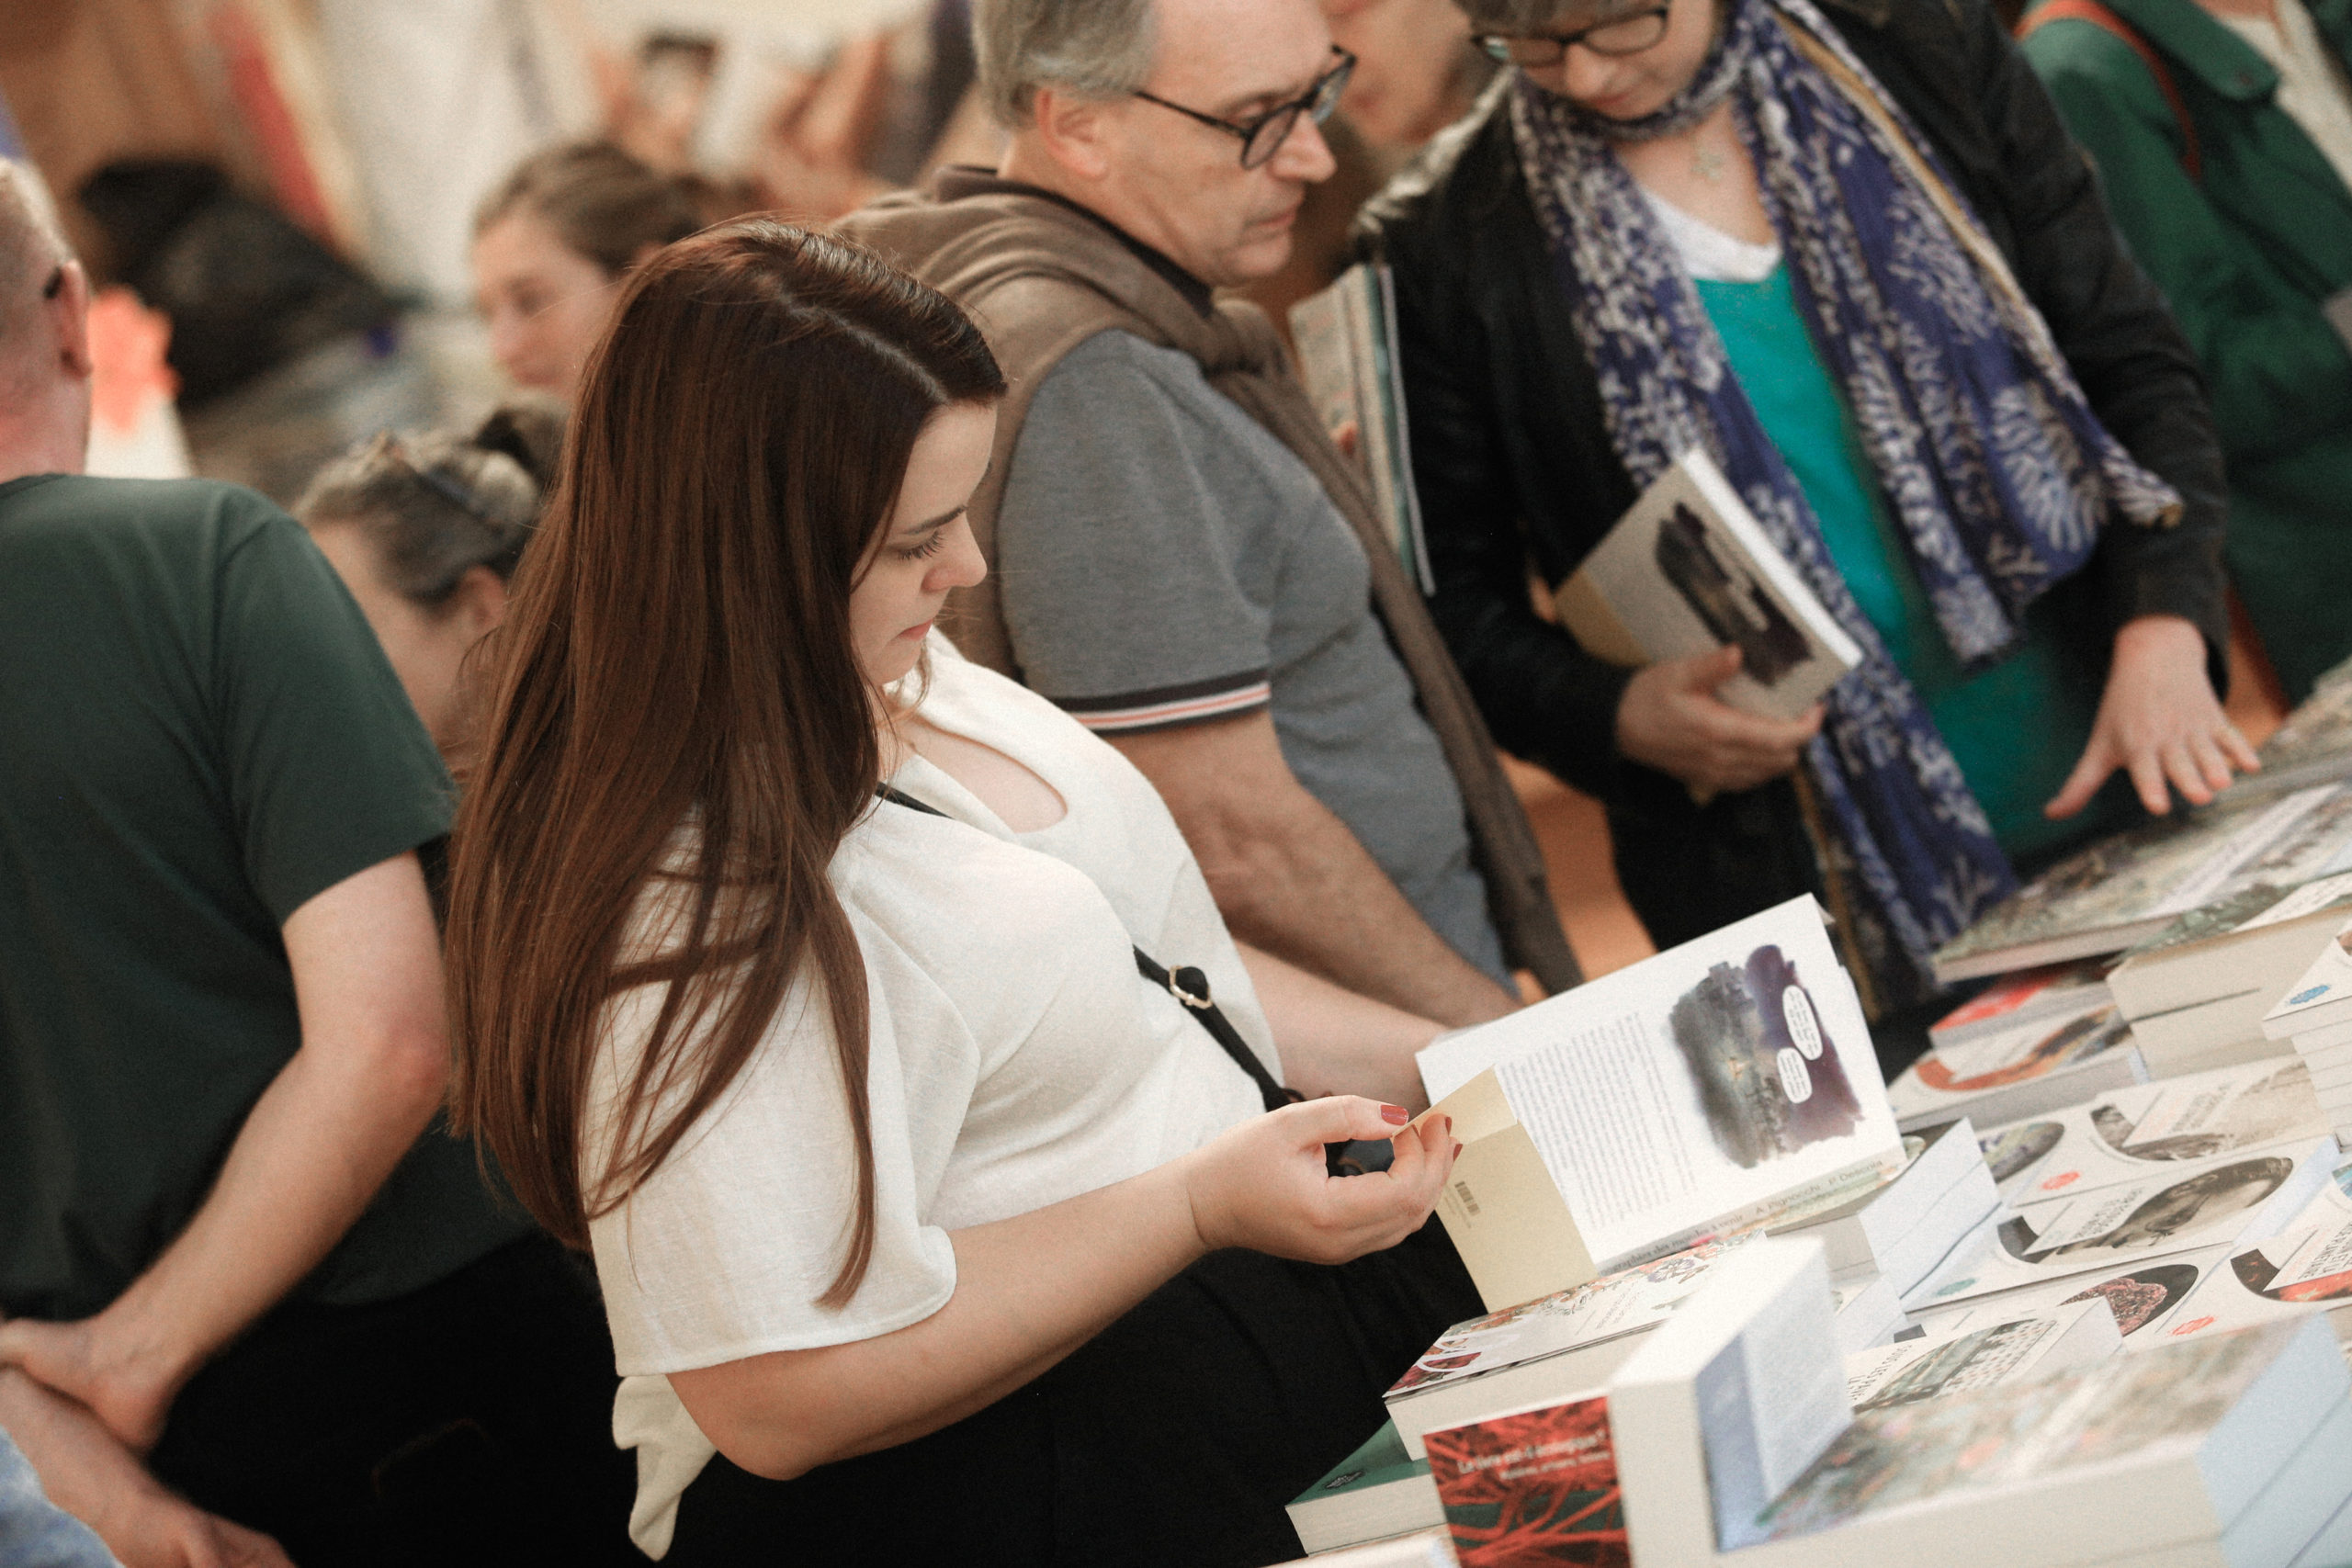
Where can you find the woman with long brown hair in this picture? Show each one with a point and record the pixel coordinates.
(807, 972)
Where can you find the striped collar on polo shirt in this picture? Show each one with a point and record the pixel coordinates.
(1169, 707)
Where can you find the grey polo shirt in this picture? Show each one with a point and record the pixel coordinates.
(1164, 560)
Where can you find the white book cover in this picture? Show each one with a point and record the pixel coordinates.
(1688, 569)
(1727, 1404)
(1713, 1088)
(2322, 996)
(2142, 1297)
(2141, 1132)
(2229, 1198)
(2302, 1270)
(1938, 1364)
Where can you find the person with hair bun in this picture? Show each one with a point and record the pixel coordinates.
(550, 241)
(426, 531)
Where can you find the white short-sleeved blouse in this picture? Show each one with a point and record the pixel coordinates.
(1016, 1059)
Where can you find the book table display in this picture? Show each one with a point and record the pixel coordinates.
(2071, 1294)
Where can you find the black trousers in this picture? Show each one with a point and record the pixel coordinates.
(1173, 1437)
(470, 1422)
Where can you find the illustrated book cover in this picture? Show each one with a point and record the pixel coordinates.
(1716, 1087)
(1688, 569)
(2123, 890)
(1533, 1488)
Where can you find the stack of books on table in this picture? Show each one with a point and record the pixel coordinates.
(1621, 1142)
(2203, 916)
(2024, 1069)
(2235, 1449)
(2315, 1017)
(1736, 1436)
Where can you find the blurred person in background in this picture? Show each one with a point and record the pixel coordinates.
(1852, 253)
(426, 532)
(1416, 73)
(243, 1276)
(1182, 557)
(2223, 134)
(553, 241)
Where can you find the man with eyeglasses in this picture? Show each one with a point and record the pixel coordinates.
(1182, 557)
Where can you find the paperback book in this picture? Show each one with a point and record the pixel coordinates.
(2315, 745)
(2010, 1075)
(1547, 1347)
(1956, 1363)
(2124, 890)
(2321, 996)
(1722, 1086)
(2229, 1198)
(1728, 1403)
(1346, 337)
(1688, 569)
(1376, 1492)
(2301, 1272)
(2132, 1134)
(2052, 991)
(1904, 1226)
(2224, 1450)
(1535, 1486)
(2141, 1299)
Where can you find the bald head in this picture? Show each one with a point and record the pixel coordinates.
(44, 335)
(32, 247)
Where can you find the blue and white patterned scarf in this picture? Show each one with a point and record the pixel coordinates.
(1999, 474)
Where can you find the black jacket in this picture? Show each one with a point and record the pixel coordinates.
(1514, 464)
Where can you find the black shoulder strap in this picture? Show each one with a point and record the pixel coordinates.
(1188, 986)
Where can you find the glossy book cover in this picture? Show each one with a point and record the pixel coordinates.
(1533, 1487)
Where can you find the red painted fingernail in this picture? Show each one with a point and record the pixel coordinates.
(1457, 1151)
(1449, 1126)
(1395, 1115)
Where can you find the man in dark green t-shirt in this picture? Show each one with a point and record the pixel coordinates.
(227, 1238)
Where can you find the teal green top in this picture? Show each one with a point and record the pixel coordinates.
(2015, 729)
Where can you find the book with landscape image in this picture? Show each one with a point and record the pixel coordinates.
(1688, 569)
(2231, 1451)
(2126, 889)
(1958, 1361)
(1725, 1084)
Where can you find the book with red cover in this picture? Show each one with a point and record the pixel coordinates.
(1533, 1487)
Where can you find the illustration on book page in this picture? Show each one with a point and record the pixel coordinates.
(1769, 1082)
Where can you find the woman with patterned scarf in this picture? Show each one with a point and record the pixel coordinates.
(1845, 248)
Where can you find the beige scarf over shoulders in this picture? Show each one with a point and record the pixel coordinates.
(1040, 279)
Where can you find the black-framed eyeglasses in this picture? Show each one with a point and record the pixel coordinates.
(1617, 36)
(1262, 137)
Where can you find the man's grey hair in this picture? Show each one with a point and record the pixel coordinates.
(1101, 48)
(31, 245)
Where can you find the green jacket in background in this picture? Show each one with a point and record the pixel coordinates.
(2248, 255)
